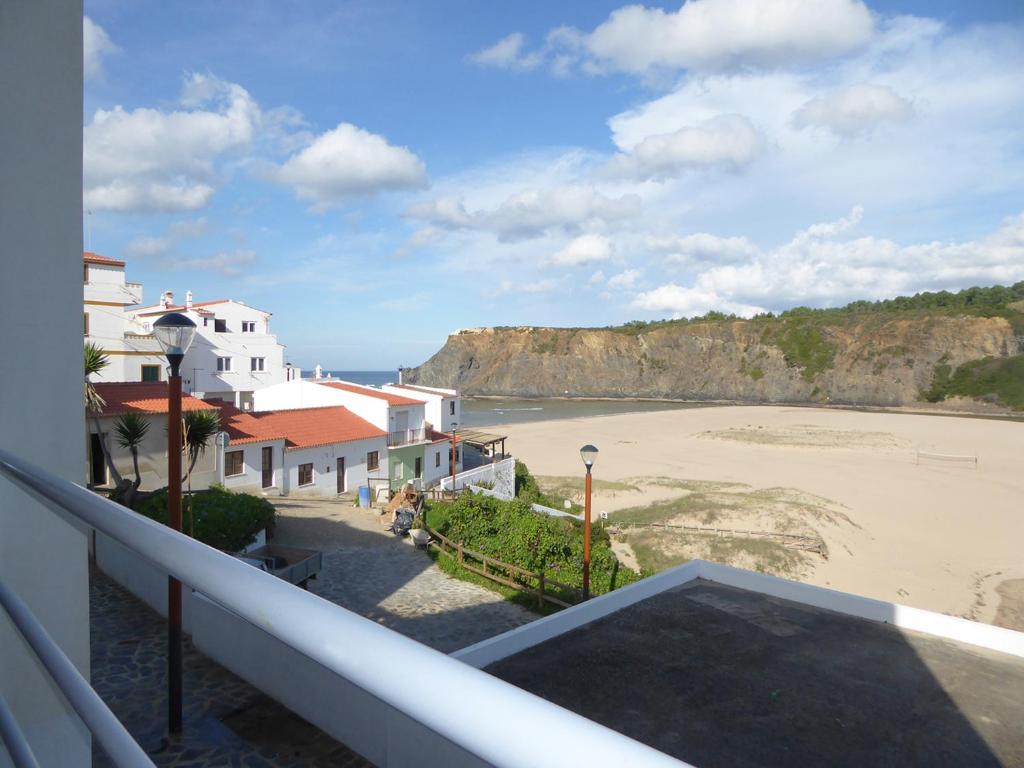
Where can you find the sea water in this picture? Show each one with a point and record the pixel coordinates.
(489, 412)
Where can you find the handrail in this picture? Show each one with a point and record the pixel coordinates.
(15, 741)
(104, 725)
(357, 649)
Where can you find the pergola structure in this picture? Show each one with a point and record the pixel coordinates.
(479, 439)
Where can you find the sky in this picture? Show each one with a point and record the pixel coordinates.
(378, 173)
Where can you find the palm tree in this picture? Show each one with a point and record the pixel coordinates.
(200, 429)
(95, 361)
(131, 429)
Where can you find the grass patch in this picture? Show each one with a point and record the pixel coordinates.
(567, 487)
(804, 346)
(660, 550)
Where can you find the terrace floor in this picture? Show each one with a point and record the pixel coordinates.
(719, 676)
(227, 722)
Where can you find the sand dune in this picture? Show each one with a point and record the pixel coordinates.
(932, 533)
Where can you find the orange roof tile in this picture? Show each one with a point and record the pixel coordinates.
(370, 392)
(142, 397)
(94, 258)
(300, 427)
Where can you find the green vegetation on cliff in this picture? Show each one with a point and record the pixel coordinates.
(992, 378)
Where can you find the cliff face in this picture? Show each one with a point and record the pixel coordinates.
(870, 359)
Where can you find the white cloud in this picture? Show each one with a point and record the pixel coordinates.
(854, 109)
(507, 53)
(151, 160)
(680, 301)
(725, 141)
(585, 249)
(625, 279)
(348, 162)
(817, 268)
(507, 287)
(597, 278)
(703, 35)
(96, 44)
(154, 247)
(531, 213)
(421, 238)
(227, 263)
(702, 247)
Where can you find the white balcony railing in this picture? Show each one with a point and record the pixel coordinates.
(435, 709)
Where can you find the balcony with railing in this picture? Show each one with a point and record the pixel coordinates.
(407, 437)
(333, 667)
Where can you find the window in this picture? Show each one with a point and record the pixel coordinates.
(206, 322)
(86, 276)
(249, 326)
(372, 460)
(399, 470)
(151, 373)
(451, 408)
(437, 459)
(306, 474)
(233, 464)
(86, 323)
(220, 326)
(223, 364)
(256, 363)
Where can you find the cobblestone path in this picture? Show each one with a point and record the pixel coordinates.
(227, 722)
(377, 575)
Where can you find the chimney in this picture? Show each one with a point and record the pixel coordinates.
(400, 370)
(166, 299)
(188, 299)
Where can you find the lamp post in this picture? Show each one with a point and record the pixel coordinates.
(174, 332)
(455, 452)
(588, 453)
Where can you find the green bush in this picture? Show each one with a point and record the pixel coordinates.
(224, 520)
(512, 532)
(992, 378)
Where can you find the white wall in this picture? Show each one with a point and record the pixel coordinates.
(324, 460)
(251, 479)
(42, 416)
(437, 404)
(153, 455)
(432, 473)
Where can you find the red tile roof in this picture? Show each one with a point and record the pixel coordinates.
(142, 397)
(300, 427)
(94, 258)
(370, 392)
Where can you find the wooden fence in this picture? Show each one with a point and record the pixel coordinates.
(535, 583)
(789, 540)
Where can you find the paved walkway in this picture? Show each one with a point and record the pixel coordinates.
(373, 573)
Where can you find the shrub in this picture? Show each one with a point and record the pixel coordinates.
(223, 519)
(513, 533)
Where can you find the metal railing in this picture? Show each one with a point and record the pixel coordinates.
(532, 731)
(101, 722)
(406, 437)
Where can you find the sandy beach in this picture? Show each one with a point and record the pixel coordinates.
(940, 534)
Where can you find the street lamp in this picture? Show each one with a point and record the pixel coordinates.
(174, 332)
(589, 454)
(455, 450)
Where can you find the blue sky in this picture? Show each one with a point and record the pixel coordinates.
(378, 174)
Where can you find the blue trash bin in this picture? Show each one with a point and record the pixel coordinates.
(364, 496)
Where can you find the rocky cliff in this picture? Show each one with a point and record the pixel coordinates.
(884, 359)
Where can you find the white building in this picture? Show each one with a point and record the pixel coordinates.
(416, 451)
(132, 351)
(233, 354)
(443, 407)
(321, 451)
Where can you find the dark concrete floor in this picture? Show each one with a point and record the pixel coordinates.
(227, 722)
(718, 676)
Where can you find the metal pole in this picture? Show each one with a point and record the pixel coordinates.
(174, 684)
(586, 540)
(455, 451)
